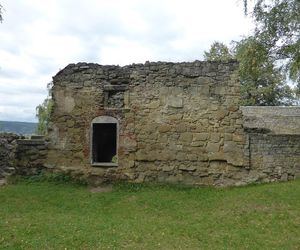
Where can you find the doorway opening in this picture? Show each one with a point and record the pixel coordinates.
(104, 144)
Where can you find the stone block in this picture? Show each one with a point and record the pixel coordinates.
(216, 156)
(200, 136)
(180, 156)
(191, 157)
(215, 137)
(230, 146)
(186, 137)
(213, 147)
(163, 128)
(202, 157)
(167, 168)
(181, 127)
(175, 102)
(187, 168)
(164, 156)
(203, 89)
(220, 114)
(239, 138)
(228, 137)
(198, 143)
(175, 117)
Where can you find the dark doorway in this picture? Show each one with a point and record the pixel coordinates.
(104, 142)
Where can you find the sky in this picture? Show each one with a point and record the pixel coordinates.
(38, 38)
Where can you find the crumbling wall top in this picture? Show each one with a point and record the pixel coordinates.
(187, 69)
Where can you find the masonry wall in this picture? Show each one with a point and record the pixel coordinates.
(20, 156)
(275, 157)
(30, 156)
(274, 142)
(178, 122)
(8, 147)
(278, 120)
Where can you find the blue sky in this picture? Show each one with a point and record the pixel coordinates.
(38, 38)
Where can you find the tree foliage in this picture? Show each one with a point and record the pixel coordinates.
(270, 56)
(277, 25)
(218, 52)
(261, 82)
(43, 112)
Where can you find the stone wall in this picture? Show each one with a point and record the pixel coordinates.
(274, 142)
(175, 122)
(21, 156)
(178, 122)
(8, 147)
(278, 120)
(275, 157)
(30, 156)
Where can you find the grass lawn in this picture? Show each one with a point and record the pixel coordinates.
(45, 215)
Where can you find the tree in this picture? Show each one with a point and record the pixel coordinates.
(261, 82)
(43, 112)
(218, 52)
(278, 30)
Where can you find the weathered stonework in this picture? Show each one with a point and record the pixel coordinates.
(274, 142)
(178, 122)
(164, 122)
(275, 157)
(30, 156)
(278, 120)
(21, 156)
(8, 147)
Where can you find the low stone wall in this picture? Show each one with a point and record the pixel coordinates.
(274, 142)
(30, 156)
(275, 157)
(21, 156)
(8, 147)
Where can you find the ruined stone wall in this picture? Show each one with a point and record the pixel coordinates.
(30, 156)
(21, 156)
(187, 124)
(178, 122)
(8, 147)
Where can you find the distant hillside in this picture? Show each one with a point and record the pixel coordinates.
(18, 127)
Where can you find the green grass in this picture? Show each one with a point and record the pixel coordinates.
(45, 215)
